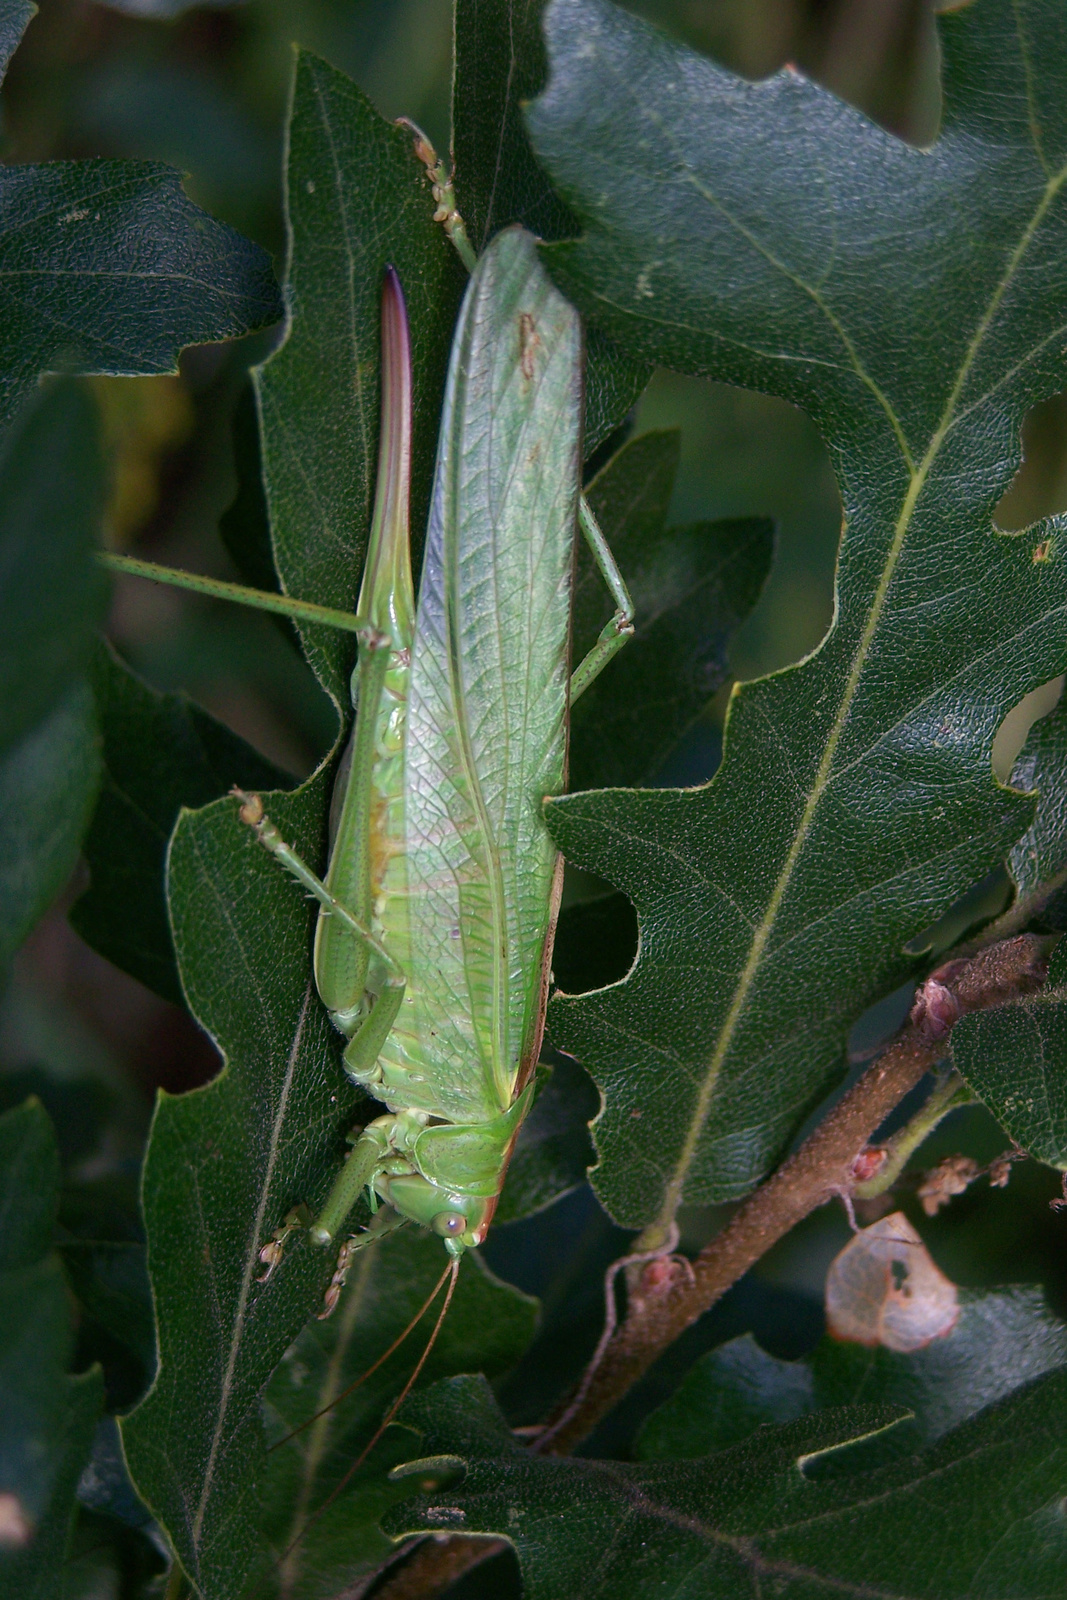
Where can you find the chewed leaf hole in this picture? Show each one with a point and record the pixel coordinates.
(596, 942)
(1039, 487)
(1013, 731)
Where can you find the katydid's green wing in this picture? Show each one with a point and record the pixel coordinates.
(487, 717)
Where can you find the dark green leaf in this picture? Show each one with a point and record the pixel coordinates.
(690, 588)
(114, 1530)
(768, 235)
(110, 1280)
(29, 1186)
(1041, 853)
(613, 385)
(1015, 1059)
(358, 199)
(14, 16)
(35, 1351)
(245, 524)
(979, 1513)
(224, 1166)
(48, 783)
(107, 267)
(52, 599)
(161, 753)
(499, 66)
(487, 1328)
(53, 596)
(39, 1571)
(105, 1484)
(1003, 1339)
(47, 1418)
(726, 1396)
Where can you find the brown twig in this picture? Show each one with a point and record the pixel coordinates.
(666, 1300)
(435, 1565)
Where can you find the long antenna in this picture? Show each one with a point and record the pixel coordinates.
(452, 1268)
(371, 1370)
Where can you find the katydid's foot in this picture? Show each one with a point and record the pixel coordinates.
(251, 811)
(340, 1273)
(444, 195)
(271, 1253)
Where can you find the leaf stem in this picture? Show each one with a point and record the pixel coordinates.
(945, 1096)
(261, 599)
(669, 1295)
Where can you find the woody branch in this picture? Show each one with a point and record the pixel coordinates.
(666, 1296)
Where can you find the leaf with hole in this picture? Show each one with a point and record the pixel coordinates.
(910, 301)
(781, 1511)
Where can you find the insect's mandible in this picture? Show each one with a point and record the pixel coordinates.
(438, 907)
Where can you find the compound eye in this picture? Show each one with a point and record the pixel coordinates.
(448, 1224)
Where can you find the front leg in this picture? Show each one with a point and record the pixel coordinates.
(253, 815)
(364, 1046)
(361, 1053)
(620, 629)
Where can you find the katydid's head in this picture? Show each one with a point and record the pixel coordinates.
(458, 1231)
(460, 1220)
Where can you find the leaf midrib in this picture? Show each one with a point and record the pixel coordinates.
(329, 1393)
(248, 1273)
(918, 478)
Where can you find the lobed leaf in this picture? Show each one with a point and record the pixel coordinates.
(911, 301)
(225, 1164)
(160, 753)
(979, 1513)
(321, 1544)
(1002, 1339)
(1015, 1059)
(690, 586)
(499, 64)
(108, 267)
(358, 199)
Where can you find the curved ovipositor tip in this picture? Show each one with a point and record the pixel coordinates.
(386, 599)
